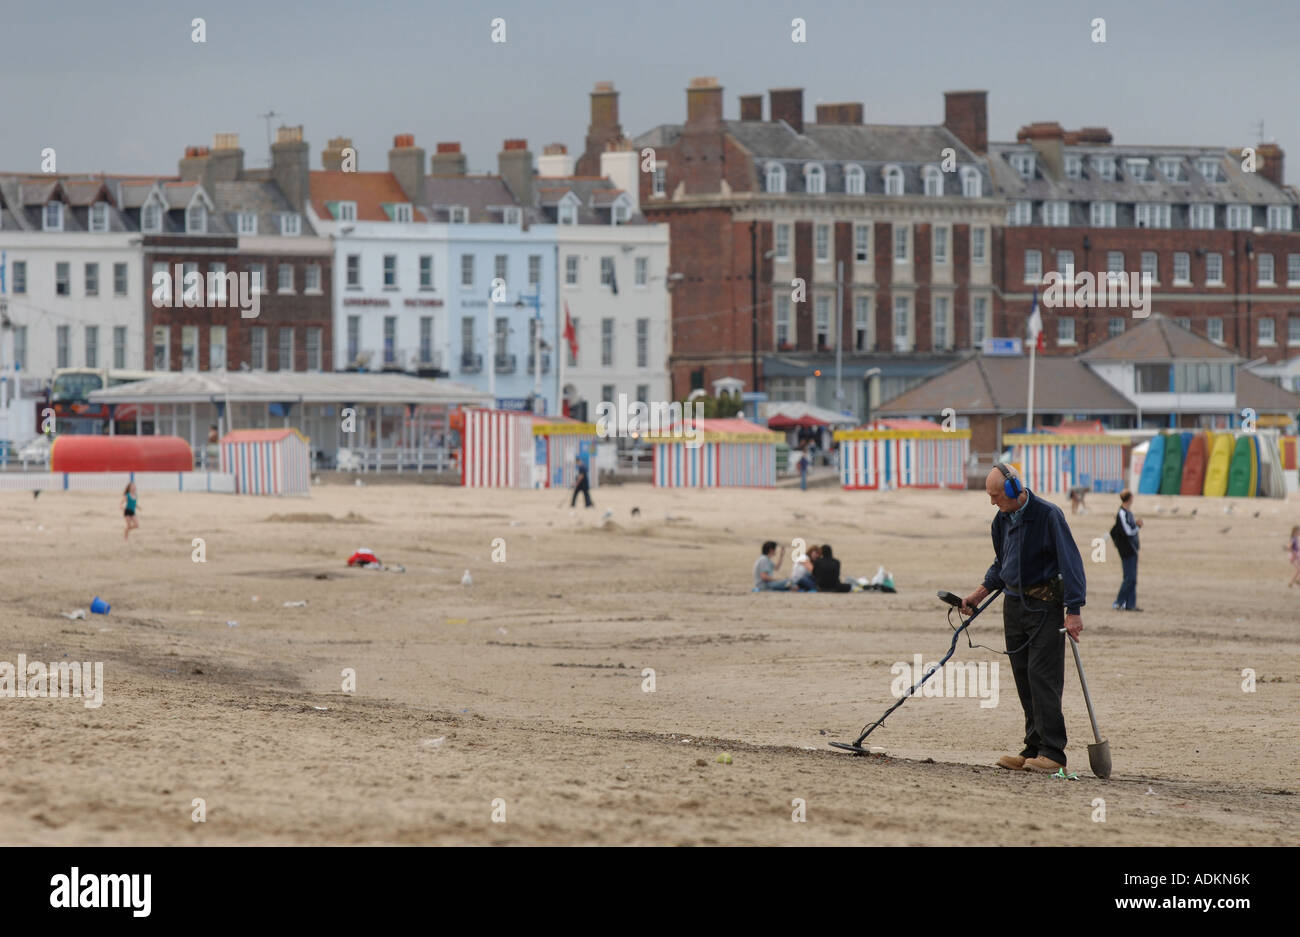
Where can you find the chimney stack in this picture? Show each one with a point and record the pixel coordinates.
(603, 129)
(843, 113)
(704, 102)
(515, 164)
(289, 167)
(448, 160)
(555, 161)
(193, 165)
(787, 105)
(226, 163)
(1269, 162)
(406, 163)
(331, 158)
(966, 116)
(751, 107)
(1048, 139)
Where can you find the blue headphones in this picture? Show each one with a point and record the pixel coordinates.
(1011, 487)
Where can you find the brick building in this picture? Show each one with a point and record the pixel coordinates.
(219, 219)
(1218, 241)
(889, 228)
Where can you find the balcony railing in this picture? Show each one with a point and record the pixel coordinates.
(505, 364)
(532, 363)
(471, 363)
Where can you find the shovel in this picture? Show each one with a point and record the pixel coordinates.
(1098, 751)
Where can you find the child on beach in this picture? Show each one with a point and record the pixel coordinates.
(129, 505)
(1294, 548)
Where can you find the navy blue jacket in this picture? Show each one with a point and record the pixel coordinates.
(1037, 548)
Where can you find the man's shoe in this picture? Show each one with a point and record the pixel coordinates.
(1012, 762)
(1043, 765)
(1134, 609)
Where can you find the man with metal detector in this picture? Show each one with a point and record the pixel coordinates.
(1038, 568)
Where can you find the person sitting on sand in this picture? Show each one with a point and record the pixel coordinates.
(826, 571)
(802, 577)
(765, 569)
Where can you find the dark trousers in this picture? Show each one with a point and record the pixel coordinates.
(1128, 589)
(1033, 634)
(586, 492)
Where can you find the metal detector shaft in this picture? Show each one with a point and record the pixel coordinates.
(951, 649)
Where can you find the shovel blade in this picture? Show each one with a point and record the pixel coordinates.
(1099, 759)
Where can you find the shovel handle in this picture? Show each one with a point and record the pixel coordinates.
(1083, 681)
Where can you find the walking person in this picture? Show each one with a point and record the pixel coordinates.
(1037, 565)
(581, 485)
(1124, 534)
(129, 504)
(1294, 548)
(803, 470)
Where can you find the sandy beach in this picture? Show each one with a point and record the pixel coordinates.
(524, 696)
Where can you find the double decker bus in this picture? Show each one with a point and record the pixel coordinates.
(70, 392)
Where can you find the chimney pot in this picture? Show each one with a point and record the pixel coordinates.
(289, 134)
(787, 105)
(554, 149)
(225, 141)
(448, 147)
(515, 145)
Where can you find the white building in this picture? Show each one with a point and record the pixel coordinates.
(72, 282)
(613, 274)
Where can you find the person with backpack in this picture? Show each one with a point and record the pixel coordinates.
(1124, 534)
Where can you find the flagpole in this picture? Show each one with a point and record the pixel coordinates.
(1029, 419)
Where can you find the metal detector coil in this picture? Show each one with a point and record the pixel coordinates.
(955, 601)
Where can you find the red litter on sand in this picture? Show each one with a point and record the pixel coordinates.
(363, 556)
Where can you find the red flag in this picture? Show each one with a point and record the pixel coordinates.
(570, 333)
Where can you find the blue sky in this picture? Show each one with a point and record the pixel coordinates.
(121, 88)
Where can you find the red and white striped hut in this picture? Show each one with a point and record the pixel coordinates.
(517, 449)
(267, 461)
(1057, 458)
(903, 454)
(727, 453)
(497, 449)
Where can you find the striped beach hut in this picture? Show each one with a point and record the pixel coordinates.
(724, 453)
(1053, 462)
(497, 449)
(903, 454)
(558, 444)
(267, 461)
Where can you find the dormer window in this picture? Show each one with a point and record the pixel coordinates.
(458, 214)
(1201, 216)
(345, 211)
(151, 217)
(1238, 217)
(510, 215)
(99, 217)
(618, 213)
(815, 179)
(1104, 167)
(1023, 164)
(1074, 167)
(855, 181)
(1171, 167)
(568, 213)
(1279, 217)
(775, 177)
(893, 180)
(290, 224)
(933, 180)
(1135, 168)
(1056, 214)
(402, 214)
(52, 217)
(196, 219)
(1208, 167)
(972, 183)
(247, 222)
